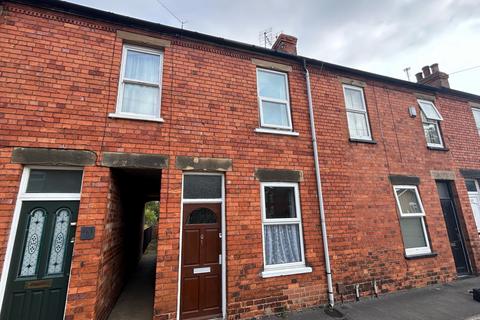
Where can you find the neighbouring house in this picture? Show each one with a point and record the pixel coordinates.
(101, 113)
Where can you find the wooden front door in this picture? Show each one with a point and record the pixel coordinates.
(40, 266)
(201, 285)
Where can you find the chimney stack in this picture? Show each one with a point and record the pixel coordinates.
(432, 76)
(285, 44)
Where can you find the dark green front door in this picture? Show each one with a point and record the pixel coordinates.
(40, 266)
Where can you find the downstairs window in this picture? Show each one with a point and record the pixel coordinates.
(412, 220)
(282, 228)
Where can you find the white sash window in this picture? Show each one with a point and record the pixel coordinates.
(412, 220)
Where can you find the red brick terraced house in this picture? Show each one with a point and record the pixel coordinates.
(100, 113)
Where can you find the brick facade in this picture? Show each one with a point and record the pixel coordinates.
(58, 84)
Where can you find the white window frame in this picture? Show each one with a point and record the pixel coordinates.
(417, 250)
(122, 81)
(476, 111)
(362, 112)
(435, 122)
(475, 195)
(284, 268)
(261, 99)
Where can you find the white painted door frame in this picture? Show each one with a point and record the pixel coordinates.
(474, 197)
(223, 231)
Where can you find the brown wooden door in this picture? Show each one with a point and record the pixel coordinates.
(201, 291)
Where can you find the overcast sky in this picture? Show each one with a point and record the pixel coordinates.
(380, 36)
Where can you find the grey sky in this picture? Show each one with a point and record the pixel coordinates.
(381, 36)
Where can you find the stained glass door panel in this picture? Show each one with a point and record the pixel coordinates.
(40, 265)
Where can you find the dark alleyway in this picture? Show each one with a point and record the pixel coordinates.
(136, 300)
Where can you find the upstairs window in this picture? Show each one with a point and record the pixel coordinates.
(139, 89)
(476, 115)
(357, 117)
(412, 220)
(272, 87)
(431, 123)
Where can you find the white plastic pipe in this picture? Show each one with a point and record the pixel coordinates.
(328, 271)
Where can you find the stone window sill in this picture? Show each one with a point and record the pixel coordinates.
(134, 117)
(437, 148)
(276, 131)
(421, 256)
(362, 141)
(285, 272)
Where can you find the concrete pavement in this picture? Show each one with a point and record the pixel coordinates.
(136, 299)
(439, 302)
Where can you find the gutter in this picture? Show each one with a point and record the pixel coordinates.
(328, 271)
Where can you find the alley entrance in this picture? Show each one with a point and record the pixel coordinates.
(136, 300)
(131, 254)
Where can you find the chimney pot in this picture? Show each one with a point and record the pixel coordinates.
(433, 77)
(426, 71)
(285, 44)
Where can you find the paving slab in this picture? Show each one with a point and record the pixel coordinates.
(451, 301)
(136, 300)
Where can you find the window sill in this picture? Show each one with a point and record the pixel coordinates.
(362, 141)
(133, 117)
(274, 131)
(421, 256)
(285, 272)
(437, 148)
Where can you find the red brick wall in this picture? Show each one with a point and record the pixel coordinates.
(363, 223)
(210, 109)
(114, 255)
(58, 83)
(86, 261)
(464, 143)
(9, 184)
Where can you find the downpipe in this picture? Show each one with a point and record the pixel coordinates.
(328, 271)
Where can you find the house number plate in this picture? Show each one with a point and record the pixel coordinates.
(38, 284)
(201, 270)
